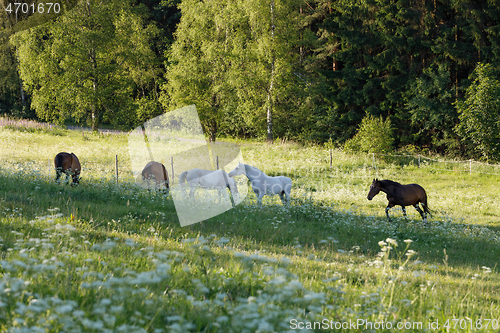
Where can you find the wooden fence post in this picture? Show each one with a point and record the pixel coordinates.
(330, 159)
(172, 165)
(116, 168)
(217, 162)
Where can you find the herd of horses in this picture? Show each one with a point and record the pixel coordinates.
(262, 184)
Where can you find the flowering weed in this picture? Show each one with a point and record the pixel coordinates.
(107, 257)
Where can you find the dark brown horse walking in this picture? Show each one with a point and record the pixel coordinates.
(401, 195)
(70, 165)
(157, 172)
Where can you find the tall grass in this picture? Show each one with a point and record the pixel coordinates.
(107, 257)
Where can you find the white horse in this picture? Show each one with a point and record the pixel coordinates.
(207, 179)
(263, 184)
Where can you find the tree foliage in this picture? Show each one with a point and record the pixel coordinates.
(9, 80)
(87, 63)
(316, 69)
(371, 55)
(224, 59)
(479, 113)
(430, 106)
(373, 136)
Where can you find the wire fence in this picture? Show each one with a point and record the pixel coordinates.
(420, 161)
(118, 169)
(469, 166)
(115, 169)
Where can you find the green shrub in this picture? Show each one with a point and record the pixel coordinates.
(374, 136)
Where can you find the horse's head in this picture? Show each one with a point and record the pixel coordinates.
(374, 189)
(240, 169)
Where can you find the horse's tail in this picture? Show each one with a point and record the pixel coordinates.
(75, 162)
(427, 209)
(74, 167)
(182, 181)
(165, 176)
(425, 205)
(145, 172)
(58, 164)
(182, 177)
(58, 161)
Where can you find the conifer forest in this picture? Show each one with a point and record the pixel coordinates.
(302, 70)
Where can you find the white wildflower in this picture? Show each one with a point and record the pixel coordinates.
(392, 241)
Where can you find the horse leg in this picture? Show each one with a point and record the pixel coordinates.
(287, 194)
(260, 195)
(259, 202)
(419, 210)
(69, 176)
(160, 185)
(423, 214)
(230, 196)
(74, 176)
(404, 213)
(220, 194)
(387, 212)
(73, 180)
(426, 209)
(164, 190)
(282, 197)
(287, 198)
(389, 206)
(257, 194)
(58, 174)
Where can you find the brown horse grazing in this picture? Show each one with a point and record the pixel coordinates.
(402, 195)
(68, 164)
(157, 172)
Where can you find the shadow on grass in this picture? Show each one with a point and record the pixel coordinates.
(101, 208)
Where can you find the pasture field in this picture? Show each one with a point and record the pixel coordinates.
(108, 257)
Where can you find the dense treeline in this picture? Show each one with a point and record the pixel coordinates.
(304, 70)
(410, 60)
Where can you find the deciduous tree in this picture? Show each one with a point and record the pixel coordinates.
(479, 113)
(86, 64)
(228, 61)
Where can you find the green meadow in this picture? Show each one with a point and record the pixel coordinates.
(109, 256)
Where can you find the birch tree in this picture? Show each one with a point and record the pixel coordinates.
(230, 58)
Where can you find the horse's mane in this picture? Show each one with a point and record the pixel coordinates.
(250, 167)
(387, 182)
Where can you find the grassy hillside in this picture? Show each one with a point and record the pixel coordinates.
(105, 257)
